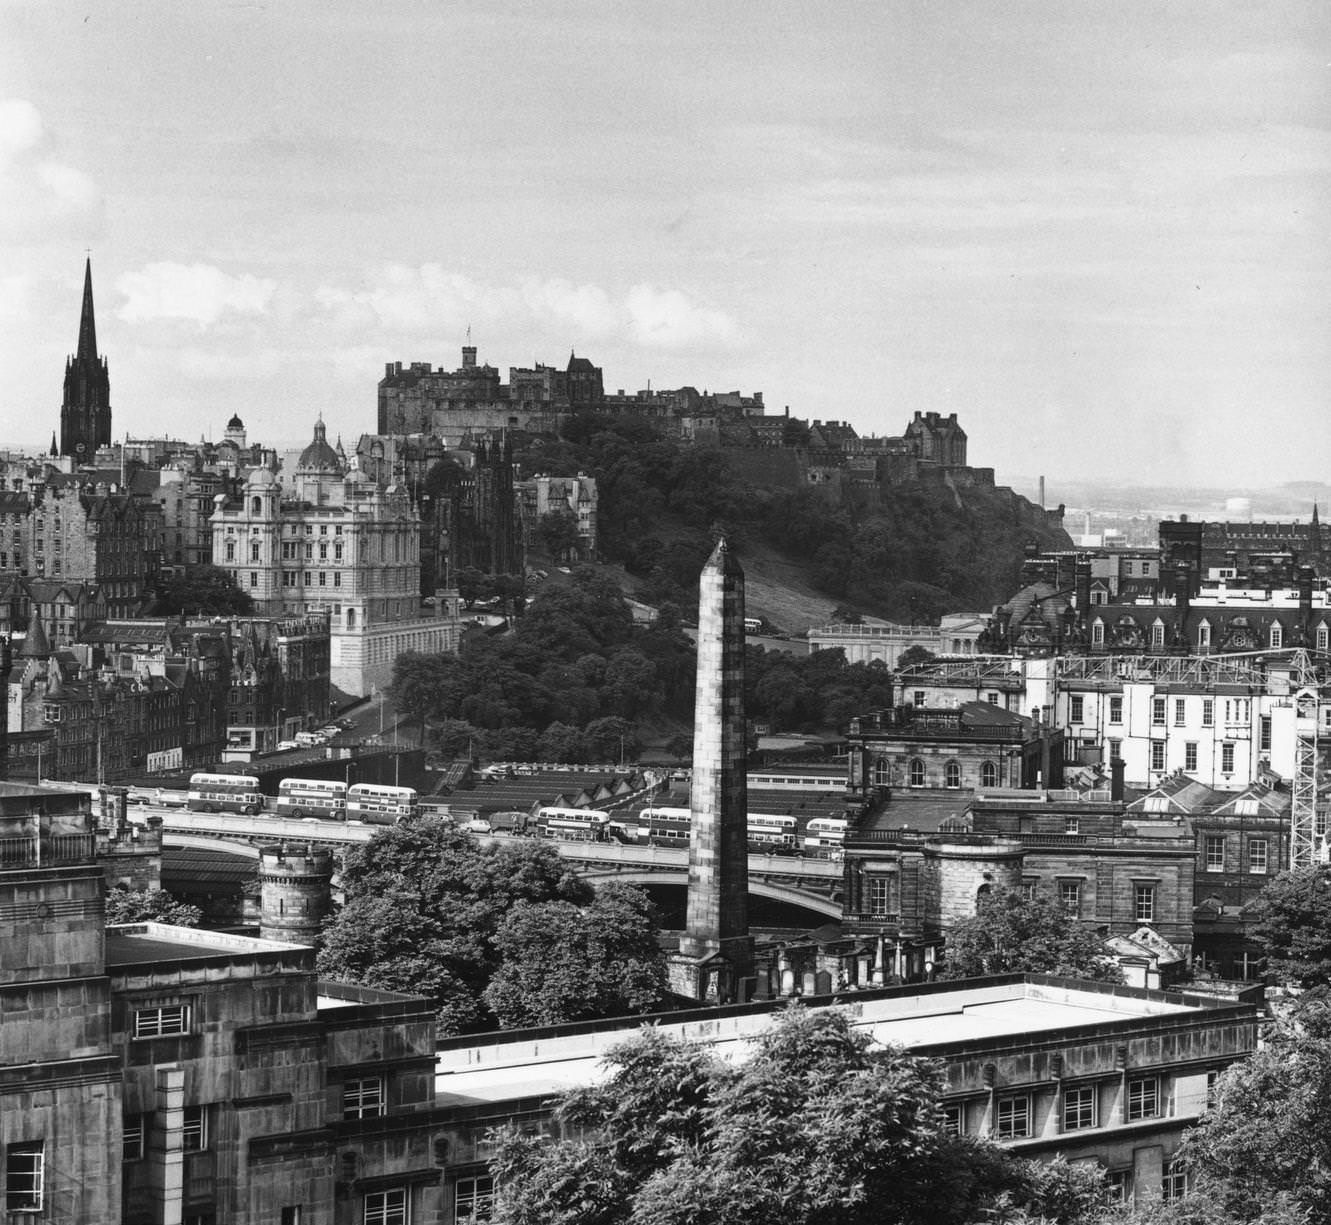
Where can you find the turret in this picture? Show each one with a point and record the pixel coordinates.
(295, 893)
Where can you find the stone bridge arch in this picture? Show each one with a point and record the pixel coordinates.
(824, 907)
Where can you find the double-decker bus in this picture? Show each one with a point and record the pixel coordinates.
(571, 824)
(312, 797)
(662, 825)
(771, 835)
(376, 804)
(224, 793)
(825, 837)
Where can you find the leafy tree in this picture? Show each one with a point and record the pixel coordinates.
(611, 739)
(203, 590)
(1262, 1152)
(473, 584)
(564, 962)
(813, 1127)
(149, 905)
(432, 911)
(1293, 926)
(1011, 933)
(913, 655)
(558, 533)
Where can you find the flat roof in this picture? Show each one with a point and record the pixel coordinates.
(487, 1068)
(134, 944)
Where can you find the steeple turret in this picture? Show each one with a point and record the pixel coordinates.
(85, 414)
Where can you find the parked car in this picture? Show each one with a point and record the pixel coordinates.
(284, 745)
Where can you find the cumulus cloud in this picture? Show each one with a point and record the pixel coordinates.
(432, 300)
(668, 319)
(195, 293)
(39, 195)
(20, 128)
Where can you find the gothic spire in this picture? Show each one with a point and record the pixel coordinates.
(87, 324)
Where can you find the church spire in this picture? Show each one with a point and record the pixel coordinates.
(87, 323)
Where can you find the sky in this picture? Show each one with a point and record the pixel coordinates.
(1097, 233)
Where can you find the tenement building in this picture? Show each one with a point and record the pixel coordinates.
(156, 1074)
(330, 541)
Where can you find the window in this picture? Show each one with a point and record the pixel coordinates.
(1190, 756)
(1115, 749)
(916, 772)
(1208, 712)
(1157, 712)
(953, 1124)
(992, 698)
(1323, 637)
(135, 1137)
(988, 774)
(1264, 734)
(1076, 708)
(1014, 1118)
(919, 697)
(1097, 633)
(159, 1022)
(1158, 633)
(1173, 1179)
(1204, 636)
(953, 774)
(1115, 710)
(1069, 895)
(473, 1200)
(1258, 849)
(1072, 825)
(254, 550)
(291, 1215)
(880, 895)
(1079, 1108)
(1144, 903)
(1119, 1183)
(1157, 754)
(882, 771)
(1144, 1098)
(1028, 889)
(1277, 636)
(1180, 712)
(364, 1098)
(1226, 759)
(1215, 854)
(390, 1208)
(254, 578)
(231, 550)
(194, 1129)
(23, 1177)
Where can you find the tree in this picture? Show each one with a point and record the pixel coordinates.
(813, 1127)
(431, 911)
(913, 655)
(1012, 933)
(1293, 926)
(1262, 1152)
(564, 962)
(149, 905)
(558, 533)
(203, 591)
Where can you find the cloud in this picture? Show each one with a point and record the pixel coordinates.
(40, 197)
(20, 128)
(666, 318)
(197, 293)
(587, 308)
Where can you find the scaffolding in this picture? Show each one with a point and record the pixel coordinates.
(1306, 836)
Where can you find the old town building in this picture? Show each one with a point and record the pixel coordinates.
(85, 414)
(331, 541)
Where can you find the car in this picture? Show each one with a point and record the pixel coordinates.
(284, 746)
(345, 724)
(330, 731)
(136, 797)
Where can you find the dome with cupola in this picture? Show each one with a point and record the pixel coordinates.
(319, 456)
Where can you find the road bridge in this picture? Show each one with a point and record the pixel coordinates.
(811, 884)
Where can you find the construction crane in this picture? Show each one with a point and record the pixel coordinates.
(1307, 835)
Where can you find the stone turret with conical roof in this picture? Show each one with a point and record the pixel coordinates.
(85, 414)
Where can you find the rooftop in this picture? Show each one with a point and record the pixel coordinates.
(137, 944)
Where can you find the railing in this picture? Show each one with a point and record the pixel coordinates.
(31, 851)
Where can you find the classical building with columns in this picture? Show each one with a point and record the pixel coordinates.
(325, 539)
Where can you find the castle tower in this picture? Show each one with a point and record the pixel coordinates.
(717, 938)
(294, 893)
(85, 413)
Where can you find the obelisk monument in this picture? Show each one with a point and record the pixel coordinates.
(716, 938)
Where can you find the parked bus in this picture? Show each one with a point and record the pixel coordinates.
(312, 797)
(571, 824)
(224, 793)
(825, 837)
(381, 805)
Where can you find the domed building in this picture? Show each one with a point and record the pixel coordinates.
(235, 432)
(326, 540)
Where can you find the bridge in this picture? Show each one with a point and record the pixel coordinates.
(813, 885)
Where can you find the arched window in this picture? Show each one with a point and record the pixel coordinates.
(351, 618)
(256, 505)
(988, 774)
(1097, 633)
(882, 772)
(1277, 636)
(916, 772)
(953, 774)
(981, 896)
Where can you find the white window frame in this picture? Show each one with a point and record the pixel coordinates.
(194, 1129)
(1069, 895)
(388, 1207)
(1173, 1181)
(1159, 710)
(954, 1118)
(1157, 755)
(1115, 709)
(1076, 708)
(1180, 712)
(1079, 1108)
(25, 1176)
(1012, 1117)
(1144, 1101)
(365, 1097)
(1143, 903)
(161, 1021)
(1190, 755)
(1259, 864)
(1227, 757)
(473, 1199)
(1213, 843)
